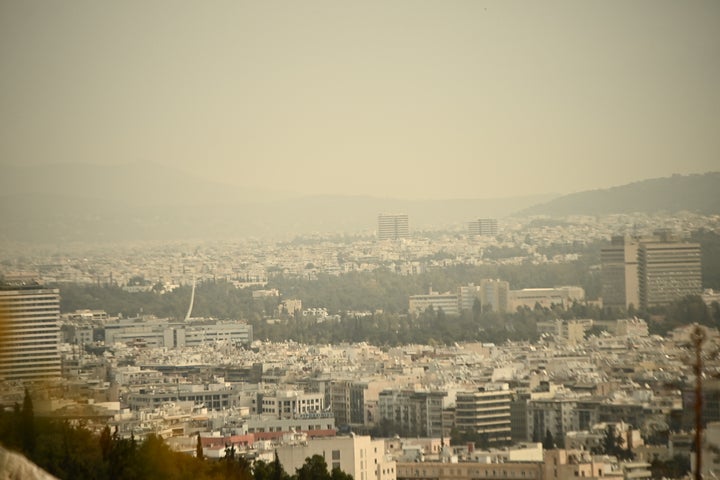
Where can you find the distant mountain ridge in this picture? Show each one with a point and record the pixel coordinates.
(135, 184)
(150, 202)
(696, 193)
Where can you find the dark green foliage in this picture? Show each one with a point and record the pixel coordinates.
(380, 289)
(676, 467)
(685, 311)
(233, 466)
(613, 444)
(199, 448)
(74, 452)
(27, 425)
(461, 437)
(315, 468)
(106, 443)
(269, 471)
(695, 193)
(548, 442)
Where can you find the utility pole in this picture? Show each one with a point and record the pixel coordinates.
(698, 338)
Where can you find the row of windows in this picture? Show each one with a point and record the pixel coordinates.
(479, 473)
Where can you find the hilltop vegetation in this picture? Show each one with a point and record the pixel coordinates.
(695, 193)
(384, 296)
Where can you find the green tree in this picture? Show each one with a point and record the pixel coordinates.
(548, 442)
(613, 444)
(27, 425)
(278, 472)
(199, 448)
(269, 471)
(234, 466)
(314, 468)
(106, 442)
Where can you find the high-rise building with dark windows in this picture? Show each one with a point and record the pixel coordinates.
(393, 227)
(668, 271)
(649, 271)
(483, 227)
(29, 332)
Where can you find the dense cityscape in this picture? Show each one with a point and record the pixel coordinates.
(399, 354)
(359, 240)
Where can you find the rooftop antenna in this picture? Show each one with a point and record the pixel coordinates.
(192, 301)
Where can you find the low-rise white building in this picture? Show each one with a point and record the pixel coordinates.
(359, 456)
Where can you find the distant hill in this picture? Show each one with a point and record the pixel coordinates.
(696, 193)
(134, 184)
(70, 203)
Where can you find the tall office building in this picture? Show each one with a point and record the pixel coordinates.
(649, 272)
(484, 227)
(393, 227)
(415, 413)
(620, 281)
(494, 295)
(30, 332)
(486, 413)
(668, 271)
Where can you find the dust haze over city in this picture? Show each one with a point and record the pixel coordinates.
(391, 240)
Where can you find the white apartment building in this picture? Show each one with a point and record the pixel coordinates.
(545, 297)
(290, 403)
(157, 332)
(359, 456)
(447, 302)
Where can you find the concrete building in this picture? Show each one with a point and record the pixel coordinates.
(290, 403)
(649, 271)
(668, 271)
(620, 281)
(359, 456)
(414, 413)
(486, 413)
(469, 470)
(545, 297)
(571, 332)
(29, 331)
(447, 302)
(211, 396)
(355, 402)
(160, 332)
(555, 415)
(483, 227)
(710, 459)
(494, 295)
(393, 227)
(312, 424)
(572, 464)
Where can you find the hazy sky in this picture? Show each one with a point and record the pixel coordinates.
(390, 98)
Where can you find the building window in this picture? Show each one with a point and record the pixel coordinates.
(336, 454)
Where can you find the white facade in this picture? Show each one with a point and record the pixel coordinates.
(359, 456)
(290, 403)
(448, 302)
(545, 297)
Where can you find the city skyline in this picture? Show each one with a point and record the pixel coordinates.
(468, 100)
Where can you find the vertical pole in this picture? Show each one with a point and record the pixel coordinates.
(698, 338)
